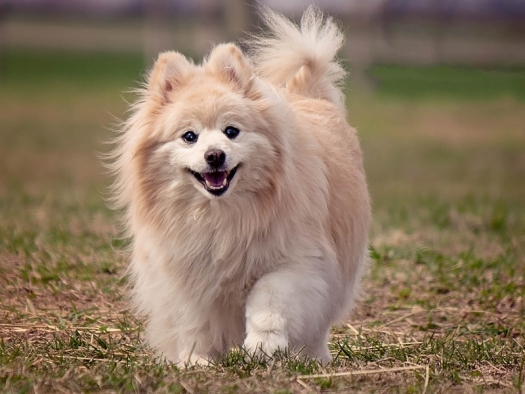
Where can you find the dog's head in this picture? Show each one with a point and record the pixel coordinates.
(212, 129)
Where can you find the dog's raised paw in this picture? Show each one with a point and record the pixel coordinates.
(265, 343)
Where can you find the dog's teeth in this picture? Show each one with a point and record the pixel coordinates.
(212, 187)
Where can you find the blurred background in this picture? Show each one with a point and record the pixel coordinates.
(405, 32)
(436, 90)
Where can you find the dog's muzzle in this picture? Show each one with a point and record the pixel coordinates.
(217, 180)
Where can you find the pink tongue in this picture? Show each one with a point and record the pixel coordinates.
(215, 179)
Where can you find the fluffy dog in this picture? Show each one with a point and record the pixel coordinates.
(245, 196)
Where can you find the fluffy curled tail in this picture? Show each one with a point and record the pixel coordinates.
(302, 58)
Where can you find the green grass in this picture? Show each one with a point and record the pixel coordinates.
(452, 83)
(443, 307)
(42, 70)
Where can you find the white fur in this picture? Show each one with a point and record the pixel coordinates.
(276, 260)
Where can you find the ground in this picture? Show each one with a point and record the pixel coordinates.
(443, 304)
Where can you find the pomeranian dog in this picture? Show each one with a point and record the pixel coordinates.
(245, 196)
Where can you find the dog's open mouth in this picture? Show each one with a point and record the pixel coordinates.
(215, 182)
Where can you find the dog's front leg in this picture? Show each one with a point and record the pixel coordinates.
(291, 309)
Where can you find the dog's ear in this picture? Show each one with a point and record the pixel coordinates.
(229, 63)
(168, 73)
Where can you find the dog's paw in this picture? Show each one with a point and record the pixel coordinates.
(265, 343)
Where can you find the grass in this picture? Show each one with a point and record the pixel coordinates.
(452, 83)
(443, 304)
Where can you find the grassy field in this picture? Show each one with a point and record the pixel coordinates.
(443, 308)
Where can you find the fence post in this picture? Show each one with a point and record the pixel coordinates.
(238, 17)
(156, 17)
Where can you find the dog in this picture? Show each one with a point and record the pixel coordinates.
(244, 194)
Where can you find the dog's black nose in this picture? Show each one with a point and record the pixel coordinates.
(215, 157)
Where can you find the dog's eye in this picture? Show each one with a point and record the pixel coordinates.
(190, 137)
(231, 132)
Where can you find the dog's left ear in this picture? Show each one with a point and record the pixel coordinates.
(229, 63)
(169, 72)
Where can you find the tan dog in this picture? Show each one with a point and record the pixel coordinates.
(245, 196)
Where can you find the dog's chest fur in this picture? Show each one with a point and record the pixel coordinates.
(213, 258)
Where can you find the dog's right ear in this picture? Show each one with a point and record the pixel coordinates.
(229, 63)
(168, 73)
